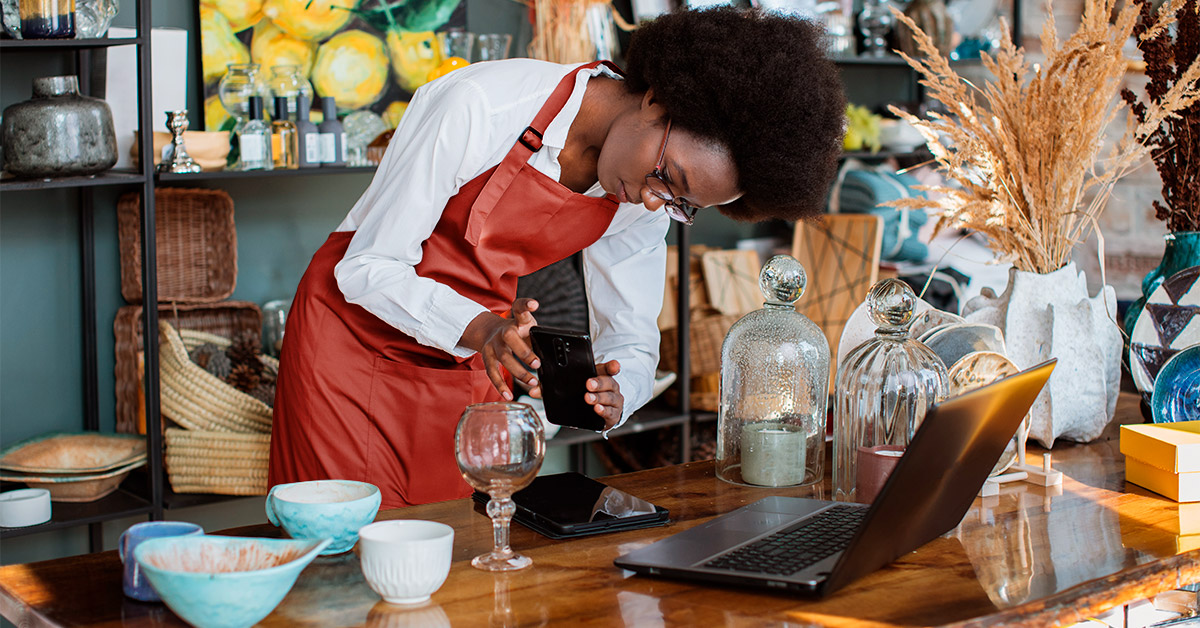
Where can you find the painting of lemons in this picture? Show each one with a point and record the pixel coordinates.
(366, 54)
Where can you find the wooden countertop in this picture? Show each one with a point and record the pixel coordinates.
(1030, 556)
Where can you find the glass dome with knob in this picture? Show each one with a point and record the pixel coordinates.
(884, 388)
(774, 388)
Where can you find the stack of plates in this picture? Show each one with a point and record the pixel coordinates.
(74, 467)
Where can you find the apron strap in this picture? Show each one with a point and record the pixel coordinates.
(527, 144)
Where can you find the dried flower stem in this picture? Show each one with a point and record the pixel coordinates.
(1024, 150)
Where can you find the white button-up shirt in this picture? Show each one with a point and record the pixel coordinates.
(456, 128)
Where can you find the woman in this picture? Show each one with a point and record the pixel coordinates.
(407, 314)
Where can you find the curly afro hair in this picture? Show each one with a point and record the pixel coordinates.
(757, 83)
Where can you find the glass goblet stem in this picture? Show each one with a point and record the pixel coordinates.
(501, 509)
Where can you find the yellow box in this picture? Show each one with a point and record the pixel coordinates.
(1181, 487)
(1174, 447)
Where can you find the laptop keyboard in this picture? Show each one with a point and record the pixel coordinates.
(796, 547)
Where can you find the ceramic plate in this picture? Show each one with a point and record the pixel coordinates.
(1177, 388)
(1169, 323)
(77, 452)
(979, 369)
(75, 487)
(954, 341)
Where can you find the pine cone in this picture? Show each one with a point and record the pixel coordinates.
(243, 378)
(212, 358)
(265, 393)
(244, 352)
(202, 354)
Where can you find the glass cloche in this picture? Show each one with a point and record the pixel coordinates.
(774, 388)
(884, 388)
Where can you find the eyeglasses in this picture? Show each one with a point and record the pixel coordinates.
(677, 208)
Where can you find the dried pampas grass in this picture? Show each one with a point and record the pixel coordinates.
(560, 29)
(1025, 150)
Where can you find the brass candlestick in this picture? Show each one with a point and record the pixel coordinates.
(176, 159)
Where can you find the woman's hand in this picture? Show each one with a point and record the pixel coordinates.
(604, 393)
(505, 342)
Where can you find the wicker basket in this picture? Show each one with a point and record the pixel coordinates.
(195, 240)
(226, 319)
(706, 334)
(226, 463)
(199, 400)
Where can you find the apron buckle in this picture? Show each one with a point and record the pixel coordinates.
(531, 138)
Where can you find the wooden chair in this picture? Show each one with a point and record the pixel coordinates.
(840, 253)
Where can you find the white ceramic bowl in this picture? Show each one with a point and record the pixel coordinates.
(24, 507)
(405, 561)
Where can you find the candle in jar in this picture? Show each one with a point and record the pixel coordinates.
(773, 454)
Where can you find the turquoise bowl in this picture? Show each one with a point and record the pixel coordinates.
(224, 581)
(324, 509)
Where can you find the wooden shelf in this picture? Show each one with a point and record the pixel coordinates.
(66, 44)
(112, 177)
(260, 174)
(116, 505)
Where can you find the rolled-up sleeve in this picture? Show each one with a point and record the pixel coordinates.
(434, 152)
(624, 273)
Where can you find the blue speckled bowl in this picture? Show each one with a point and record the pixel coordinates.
(324, 509)
(224, 581)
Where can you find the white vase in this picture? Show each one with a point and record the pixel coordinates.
(1051, 315)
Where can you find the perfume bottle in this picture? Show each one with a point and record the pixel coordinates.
(884, 388)
(308, 137)
(254, 139)
(284, 141)
(333, 136)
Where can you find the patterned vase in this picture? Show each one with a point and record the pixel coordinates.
(1182, 251)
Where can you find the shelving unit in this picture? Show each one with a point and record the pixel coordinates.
(258, 174)
(122, 503)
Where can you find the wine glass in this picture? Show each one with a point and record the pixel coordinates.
(499, 447)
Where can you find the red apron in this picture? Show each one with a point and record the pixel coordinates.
(358, 399)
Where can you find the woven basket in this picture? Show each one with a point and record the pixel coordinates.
(706, 335)
(226, 319)
(199, 400)
(217, 462)
(195, 241)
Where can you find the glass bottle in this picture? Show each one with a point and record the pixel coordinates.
(774, 388)
(47, 19)
(333, 136)
(875, 22)
(254, 139)
(308, 137)
(288, 82)
(241, 81)
(884, 387)
(284, 140)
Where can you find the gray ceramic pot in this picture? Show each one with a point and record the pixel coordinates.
(58, 132)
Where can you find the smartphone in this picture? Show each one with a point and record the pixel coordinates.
(568, 505)
(566, 365)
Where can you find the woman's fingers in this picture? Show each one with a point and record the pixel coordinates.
(604, 393)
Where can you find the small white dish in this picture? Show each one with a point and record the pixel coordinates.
(406, 561)
(24, 507)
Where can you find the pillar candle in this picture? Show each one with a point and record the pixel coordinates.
(773, 454)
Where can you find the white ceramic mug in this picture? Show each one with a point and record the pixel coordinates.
(405, 561)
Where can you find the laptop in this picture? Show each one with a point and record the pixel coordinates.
(814, 547)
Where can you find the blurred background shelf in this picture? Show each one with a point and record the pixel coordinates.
(66, 44)
(112, 177)
(259, 174)
(116, 505)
